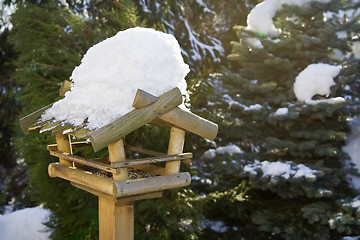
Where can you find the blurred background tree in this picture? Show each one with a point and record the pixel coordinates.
(240, 196)
(241, 93)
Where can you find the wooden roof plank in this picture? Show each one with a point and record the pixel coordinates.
(31, 119)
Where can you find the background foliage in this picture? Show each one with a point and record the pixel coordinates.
(229, 74)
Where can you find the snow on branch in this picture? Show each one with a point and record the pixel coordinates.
(316, 79)
(286, 170)
(111, 72)
(260, 19)
(227, 98)
(199, 48)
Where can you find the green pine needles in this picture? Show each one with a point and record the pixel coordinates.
(50, 40)
(292, 168)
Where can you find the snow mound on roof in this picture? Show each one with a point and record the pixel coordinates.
(105, 83)
(260, 18)
(316, 79)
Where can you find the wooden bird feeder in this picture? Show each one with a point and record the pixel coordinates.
(114, 187)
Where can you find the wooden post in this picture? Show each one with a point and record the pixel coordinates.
(117, 154)
(64, 145)
(176, 145)
(116, 219)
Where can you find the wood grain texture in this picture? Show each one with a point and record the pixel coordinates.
(176, 145)
(81, 177)
(151, 184)
(116, 220)
(64, 145)
(181, 118)
(135, 119)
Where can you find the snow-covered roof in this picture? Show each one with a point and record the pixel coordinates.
(110, 73)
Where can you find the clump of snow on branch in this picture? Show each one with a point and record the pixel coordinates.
(228, 149)
(347, 16)
(227, 98)
(105, 83)
(281, 111)
(25, 224)
(260, 19)
(199, 46)
(316, 79)
(285, 170)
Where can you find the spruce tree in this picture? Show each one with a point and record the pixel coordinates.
(46, 57)
(11, 172)
(199, 26)
(50, 41)
(243, 196)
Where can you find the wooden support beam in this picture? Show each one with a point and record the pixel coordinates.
(64, 145)
(179, 117)
(157, 170)
(151, 184)
(119, 189)
(73, 145)
(134, 162)
(140, 197)
(82, 177)
(176, 145)
(135, 119)
(123, 199)
(83, 161)
(117, 155)
(118, 169)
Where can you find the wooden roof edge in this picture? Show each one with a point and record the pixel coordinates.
(32, 118)
(179, 117)
(135, 119)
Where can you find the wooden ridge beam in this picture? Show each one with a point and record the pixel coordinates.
(181, 118)
(135, 119)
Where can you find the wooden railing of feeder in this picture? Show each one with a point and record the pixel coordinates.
(118, 193)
